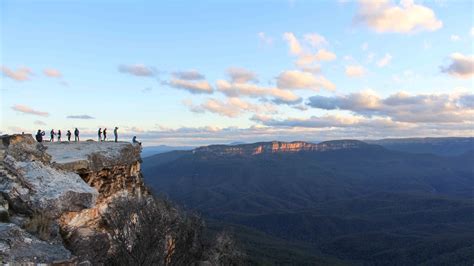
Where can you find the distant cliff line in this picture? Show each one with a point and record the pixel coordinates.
(279, 147)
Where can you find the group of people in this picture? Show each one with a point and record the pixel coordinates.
(40, 134)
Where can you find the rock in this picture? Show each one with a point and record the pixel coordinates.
(24, 148)
(73, 184)
(17, 245)
(39, 187)
(4, 215)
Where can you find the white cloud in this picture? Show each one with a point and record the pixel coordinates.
(320, 55)
(191, 86)
(403, 107)
(231, 107)
(313, 69)
(293, 43)
(52, 73)
(294, 79)
(28, 110)
(138, 70)
(21, 74)
(407, 17)
(80, 117)
(384, 61)
(455, 38)
(315, 40)
(355, 71)
(325, 55)
(188, 75)
(365, 46)
(461, 66)
(264, 38)
(256, 91)
(472, 31)
(241, 75)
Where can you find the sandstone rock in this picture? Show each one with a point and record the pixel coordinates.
(19, 246)
(73, 183)
(39, 187)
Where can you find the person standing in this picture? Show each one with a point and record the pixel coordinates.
(105, 134)
(68, 134)
(39, 135)
(99, 133)
(59, 135)
(52, 135)
(116, 134)
(76, 135)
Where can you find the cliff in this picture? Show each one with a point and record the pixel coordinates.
(66, 186)
(278, 147)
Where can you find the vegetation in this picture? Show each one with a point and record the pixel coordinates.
(366, 205)
(150, 231)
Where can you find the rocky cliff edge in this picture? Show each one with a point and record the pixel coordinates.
(65, 185)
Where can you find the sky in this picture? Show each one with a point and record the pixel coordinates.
(203, 72)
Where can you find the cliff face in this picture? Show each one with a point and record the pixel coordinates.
(278, 147)
(71, 183)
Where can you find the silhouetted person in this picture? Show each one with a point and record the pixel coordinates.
(39, 135)
(99, 133)
(59, 135)
(68, 134)
(52, 135)
(116, 134)
(76, 135)
(135, 141)
(105, 134)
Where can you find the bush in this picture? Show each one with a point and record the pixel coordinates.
(147, 231)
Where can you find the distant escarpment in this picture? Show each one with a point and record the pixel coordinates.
(279, 147)
(53, 195)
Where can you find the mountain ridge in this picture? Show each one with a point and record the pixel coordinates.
(279, 147)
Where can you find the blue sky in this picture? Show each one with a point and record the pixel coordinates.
(181, 72)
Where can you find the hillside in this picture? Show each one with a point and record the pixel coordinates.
(350, 200)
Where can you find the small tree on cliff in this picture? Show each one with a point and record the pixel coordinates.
(149, 231)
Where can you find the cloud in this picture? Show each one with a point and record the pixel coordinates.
(355, 71)
(264, 38)
(28, 110)
(314, 69)
(455, 38)
(21, 74)
(315, 40)
(408, 17)
(294, 79)
(79, 117)
(52, 73)
(472, 31)
(461, 66)
(241, 75)
(325, 55)
(293, 43)
(40, 123)
(231, 107)
(365, 46)
(256, 91)
(195, 87)
(384, 61)
(138, 70)
(188, 75)
(402, 107)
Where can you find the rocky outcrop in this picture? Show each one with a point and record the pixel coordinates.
(70, 183)
(278, 147)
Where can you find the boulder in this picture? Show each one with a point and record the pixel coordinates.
(19, 246)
